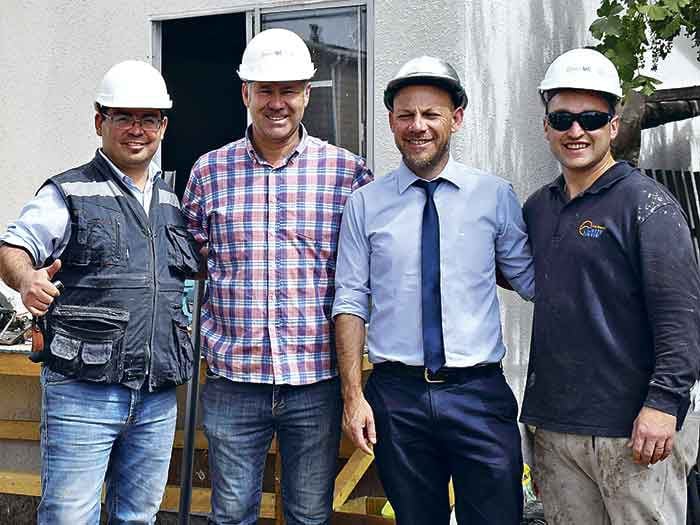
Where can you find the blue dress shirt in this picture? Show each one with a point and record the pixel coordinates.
(43, 227)
(481, 226)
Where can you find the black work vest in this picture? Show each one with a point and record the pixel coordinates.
(119, 318)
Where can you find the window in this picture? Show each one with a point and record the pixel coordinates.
(337, 39)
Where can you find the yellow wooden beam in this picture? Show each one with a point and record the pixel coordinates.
(18, 364)
(29, 484)
(348, 477)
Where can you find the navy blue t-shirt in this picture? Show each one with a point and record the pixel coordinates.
(617, 308)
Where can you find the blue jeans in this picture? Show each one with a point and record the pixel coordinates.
(239, 421)
(94, 433)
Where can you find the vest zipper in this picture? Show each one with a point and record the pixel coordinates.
(149, 346)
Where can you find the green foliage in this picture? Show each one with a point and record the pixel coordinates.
(627, 29)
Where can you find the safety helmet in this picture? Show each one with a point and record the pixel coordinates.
(582, 69)
(133, 84)
(276, 55)
(426, 70)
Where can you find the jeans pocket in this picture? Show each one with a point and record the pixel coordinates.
(51, 377)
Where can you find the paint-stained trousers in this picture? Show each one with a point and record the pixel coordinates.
(586, 480)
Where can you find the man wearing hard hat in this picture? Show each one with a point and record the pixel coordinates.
(269, 207)
(115, 339)
(417, 260)
(615, 339)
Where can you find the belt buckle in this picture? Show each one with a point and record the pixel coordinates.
(426, 376)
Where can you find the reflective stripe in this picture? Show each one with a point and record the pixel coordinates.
(167, 197)
(91, 189)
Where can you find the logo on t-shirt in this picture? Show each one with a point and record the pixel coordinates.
(588, 229)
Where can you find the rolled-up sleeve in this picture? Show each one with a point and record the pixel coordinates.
(513, 253)
(43, 227)
(352, 285)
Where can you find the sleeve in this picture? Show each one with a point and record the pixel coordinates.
(352, 286)
(362, 176)
(193, 206)
(671, 285)
(513, 254)
(43, 228)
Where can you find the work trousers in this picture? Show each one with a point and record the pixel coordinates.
(239, 421)
(93, 434)
(591, 480)
(427, 433)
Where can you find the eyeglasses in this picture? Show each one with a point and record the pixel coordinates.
(125, 121)
(589, 120)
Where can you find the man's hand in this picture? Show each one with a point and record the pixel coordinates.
(37, 290)
(358, 423)
(652, 436)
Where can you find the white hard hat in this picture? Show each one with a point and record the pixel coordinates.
(276, 55)
(582, 69)
(133, 84)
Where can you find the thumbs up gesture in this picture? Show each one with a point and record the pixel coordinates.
(37, 290)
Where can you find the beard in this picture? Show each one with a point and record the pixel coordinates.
(425, 162)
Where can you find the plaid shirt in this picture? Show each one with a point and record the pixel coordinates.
(272, 235)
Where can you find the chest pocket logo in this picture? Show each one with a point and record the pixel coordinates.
(588, 229)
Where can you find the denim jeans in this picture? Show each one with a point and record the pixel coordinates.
(239, 421)
(94, 433)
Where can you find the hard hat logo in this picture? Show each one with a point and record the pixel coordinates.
(133, 84)
(426, 70)
(276, 55)
(584, 69)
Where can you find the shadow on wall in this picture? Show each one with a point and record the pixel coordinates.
(669, 147)
(548, 29)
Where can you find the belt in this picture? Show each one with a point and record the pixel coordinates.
(444, 375)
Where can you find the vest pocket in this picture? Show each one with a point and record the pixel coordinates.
(183, 343)
(87, 342)
(96, 239)
(182, 253)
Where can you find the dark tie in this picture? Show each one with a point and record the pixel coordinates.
(433, 348)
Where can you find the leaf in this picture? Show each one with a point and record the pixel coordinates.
(606, 26)
(676, 5)
(656, 12)
(671, 29)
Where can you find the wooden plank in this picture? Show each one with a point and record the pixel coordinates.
(29, 431)
(19, 430)
(29, 484)
(347, 478)
(18, 364)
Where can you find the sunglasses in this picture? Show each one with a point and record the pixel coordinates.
(588, 120)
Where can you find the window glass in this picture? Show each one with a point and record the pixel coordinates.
(337, 40)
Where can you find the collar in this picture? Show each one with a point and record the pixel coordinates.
(153, 172)
(256, 157)
(615, 173)
(405, 177)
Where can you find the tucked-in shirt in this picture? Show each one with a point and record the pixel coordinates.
(617, 316)
(43, 227)
(272, 235)
(481, 226)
